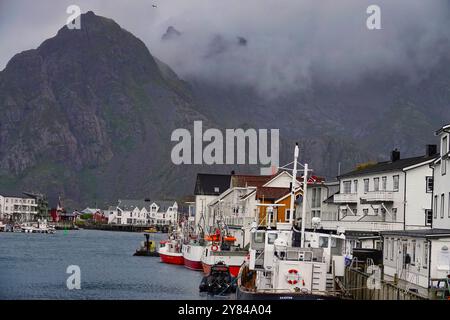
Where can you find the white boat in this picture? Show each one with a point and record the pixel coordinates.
(192, 254)
(40, 226)
(287, 263)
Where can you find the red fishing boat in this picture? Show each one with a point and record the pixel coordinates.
(170, 252)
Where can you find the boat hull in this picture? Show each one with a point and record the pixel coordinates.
(193, 257)
(172, 259)
(242, 294)
(193, 265)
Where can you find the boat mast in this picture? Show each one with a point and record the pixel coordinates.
(294, 179)
(305, 188)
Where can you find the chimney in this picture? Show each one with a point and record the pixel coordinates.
(395, 155)
(431, 150)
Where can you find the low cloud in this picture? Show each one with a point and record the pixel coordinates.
(288, 43)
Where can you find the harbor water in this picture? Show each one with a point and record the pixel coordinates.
(33, 266)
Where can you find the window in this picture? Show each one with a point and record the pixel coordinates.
(323, 242)
(347, 186)
(366, 185)
(425, 255)
(375, 211)
(429, 184)
(119, 220)
(365, 212)
(435, 207)
(259, 237)
(269, 217)
(392, 250)
(355, 186)
(396, 180)
(376, 184)
(394, 214)
(386, 249)
(444, 150)
(413, 258)
(287, 215)
(384, 183)
(428, 217)
(271, 237)
(315, 213)
(316, 197)
(442, 205)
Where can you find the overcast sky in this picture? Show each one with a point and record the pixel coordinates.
(288, 41)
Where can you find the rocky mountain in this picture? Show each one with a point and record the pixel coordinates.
(88, 115)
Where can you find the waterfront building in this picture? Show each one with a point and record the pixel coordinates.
(389, 195)
(441, 181)
(17, 208)
(143, 212)
(417, 256)
(207, 188)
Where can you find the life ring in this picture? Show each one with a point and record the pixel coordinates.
(215, 247)
(292, 277)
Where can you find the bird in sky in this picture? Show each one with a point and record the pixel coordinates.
(154, 6)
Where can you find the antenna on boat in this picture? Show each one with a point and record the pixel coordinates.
(305, 188)
(294, 178)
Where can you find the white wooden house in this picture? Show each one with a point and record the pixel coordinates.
(441, 185)
(143, 212)
(417, 256)
(390, 195)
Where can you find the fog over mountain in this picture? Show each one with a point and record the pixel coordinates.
(290, 42)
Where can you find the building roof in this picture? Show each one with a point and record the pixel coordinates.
(15, 195)
(388, 166)
(270, 193)
(211, 184)
(131, 204)
(241, 180)
(444, 128)
(128, 204)
(422, 233)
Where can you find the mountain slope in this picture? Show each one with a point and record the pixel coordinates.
(89, 114)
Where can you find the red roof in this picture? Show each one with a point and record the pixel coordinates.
(243, 180)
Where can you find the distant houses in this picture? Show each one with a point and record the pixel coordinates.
(143, 212)
(16, 208)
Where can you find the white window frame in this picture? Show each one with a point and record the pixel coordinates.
(366, 185)
(376, 184)
(444, 151)
(286, 212)
(396, 183)
(429, 184)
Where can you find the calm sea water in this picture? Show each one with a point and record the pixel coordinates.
(33, 266)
